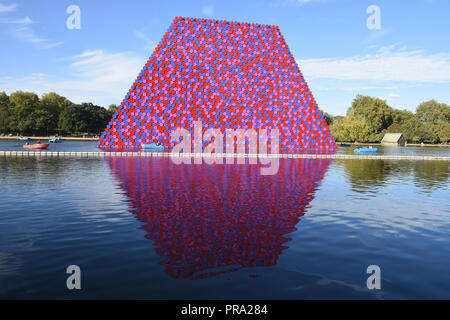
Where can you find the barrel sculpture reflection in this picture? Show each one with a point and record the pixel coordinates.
(207, 220)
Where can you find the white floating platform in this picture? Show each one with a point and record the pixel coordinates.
(50, 154)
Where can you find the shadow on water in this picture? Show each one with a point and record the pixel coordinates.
(206, 220)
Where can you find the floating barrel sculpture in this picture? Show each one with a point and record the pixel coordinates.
(228, 75)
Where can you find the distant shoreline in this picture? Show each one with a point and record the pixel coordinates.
(409, 144)
(96, 139)
(51, 137)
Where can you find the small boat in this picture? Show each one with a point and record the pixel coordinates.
(38, 146)
(344, 145)
(366, 150)
(55, 140)
(24, 138)
(152, 147)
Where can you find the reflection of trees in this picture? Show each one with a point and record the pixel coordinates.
(431, 174)
(364, 174)
(47, 171)
(17, 166)
(367, 175)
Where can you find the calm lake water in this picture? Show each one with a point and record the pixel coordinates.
(147, 228)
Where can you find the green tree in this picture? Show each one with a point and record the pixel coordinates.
(338, 130)
(405, 122)
(444, 134)
(435, 116)
(368, 119)
(4, 112)
(341, 130)
(396, 128)
(40, 122)
(401, 116)
(328, 117)
(22, 104)
(99, 118)
(54, 104)
(112, 109)
(372, 115)
(416, 131)
(350, 129)
(73, 119)
(83, 118)
(433, 111)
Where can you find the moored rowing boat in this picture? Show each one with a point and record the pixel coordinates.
(39, 146)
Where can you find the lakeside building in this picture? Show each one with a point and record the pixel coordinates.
(394, 139)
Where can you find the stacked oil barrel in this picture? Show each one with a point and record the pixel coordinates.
(228, 75)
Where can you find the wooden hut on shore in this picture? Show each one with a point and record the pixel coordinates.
(393, 139)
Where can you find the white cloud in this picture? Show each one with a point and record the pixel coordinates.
(208, 10)
(385, 65)
(390, 96)
(109, 68)
(150, 44)
(287, 3)
(87, 57)
(21, 28)
(52, 45)
(376, 35)
(7, 8)
(91, 76)
(25, 20)
(360, 85)
(27, 34)
(37, 76)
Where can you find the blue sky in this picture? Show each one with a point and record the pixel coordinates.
(406, 61)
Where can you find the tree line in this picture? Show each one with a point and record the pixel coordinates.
(368, 119)
(26, 114)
